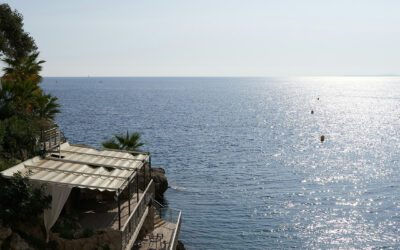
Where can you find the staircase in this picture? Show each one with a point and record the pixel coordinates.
(158, 221)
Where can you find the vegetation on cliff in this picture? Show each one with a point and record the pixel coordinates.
(25, 109)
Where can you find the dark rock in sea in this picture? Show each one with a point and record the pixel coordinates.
(160, 181)
(180, 246)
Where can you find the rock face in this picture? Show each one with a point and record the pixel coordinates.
(102, 239)
(18, 243)
(180, 246)
(4, 233)
(160, 181)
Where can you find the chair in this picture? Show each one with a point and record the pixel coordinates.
(153, 238)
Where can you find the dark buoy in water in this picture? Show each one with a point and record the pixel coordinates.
(322, 138)
(312, 112)
(318, 98)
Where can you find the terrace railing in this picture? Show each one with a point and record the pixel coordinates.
(174, 216)
(51, 139)
(131, 225)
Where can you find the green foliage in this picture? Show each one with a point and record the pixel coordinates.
(25, 109)
(20, 201)
(2, 134)
(22, 69)
(38, 243)
(87, 232)
(7, 164)
(128, 142)
(46, 108)
(66, 226)
(18, 140)
(14, 41)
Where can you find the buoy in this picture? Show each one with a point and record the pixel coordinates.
(322, 138)
(318, 98)
(312, 112)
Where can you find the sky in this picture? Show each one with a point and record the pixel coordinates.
(214, 37)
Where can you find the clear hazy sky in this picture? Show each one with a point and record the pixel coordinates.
(214, 37)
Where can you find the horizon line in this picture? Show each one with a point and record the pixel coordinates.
(194, 76)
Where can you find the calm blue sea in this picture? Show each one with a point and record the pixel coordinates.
(244, 158)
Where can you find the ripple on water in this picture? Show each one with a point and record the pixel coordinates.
(244, 157)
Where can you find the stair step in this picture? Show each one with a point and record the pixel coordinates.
(159, 223)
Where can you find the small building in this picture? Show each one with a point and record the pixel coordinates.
(110, 189)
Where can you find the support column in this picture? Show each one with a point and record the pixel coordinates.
(129, 203)
(129, 198)
(137, 185)
(150, 166)
(119, 211)
(144, 176)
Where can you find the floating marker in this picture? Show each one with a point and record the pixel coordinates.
(318, 98)
(322, 138)
(312, 112)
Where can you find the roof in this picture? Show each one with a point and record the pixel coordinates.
(82, 167)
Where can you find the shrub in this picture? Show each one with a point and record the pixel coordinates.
(20, 201)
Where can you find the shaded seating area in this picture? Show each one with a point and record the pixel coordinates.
(95, 214)
(112, 176)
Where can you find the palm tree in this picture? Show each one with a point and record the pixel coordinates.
(17, 98)
(128, 142)
(20, 70)
(47, 108)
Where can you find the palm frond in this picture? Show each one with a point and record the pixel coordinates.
(110, 144)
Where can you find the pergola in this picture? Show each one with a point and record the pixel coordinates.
(80, 166)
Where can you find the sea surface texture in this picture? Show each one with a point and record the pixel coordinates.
(244, 158)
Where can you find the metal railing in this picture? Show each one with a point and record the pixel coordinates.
(134, 219)
(174, 238)
(174, 216)
(51, 138)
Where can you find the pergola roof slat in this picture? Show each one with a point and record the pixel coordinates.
(75, 172)
(83, 167)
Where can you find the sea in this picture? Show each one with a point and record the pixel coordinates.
(244, 156)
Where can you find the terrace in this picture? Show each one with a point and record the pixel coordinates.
(118, 175)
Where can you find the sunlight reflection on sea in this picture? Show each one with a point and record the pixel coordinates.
(245, 158)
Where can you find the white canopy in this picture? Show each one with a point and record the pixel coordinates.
(78, 166)
(82, 167)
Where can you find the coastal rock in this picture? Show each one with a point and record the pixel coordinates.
(18, 243)
(160, 181)
(4, 233)
(100, 238)
(31, 229)
(180, 246)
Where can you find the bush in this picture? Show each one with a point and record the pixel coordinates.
(20, 201)
(66, 226)
(87, 232)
